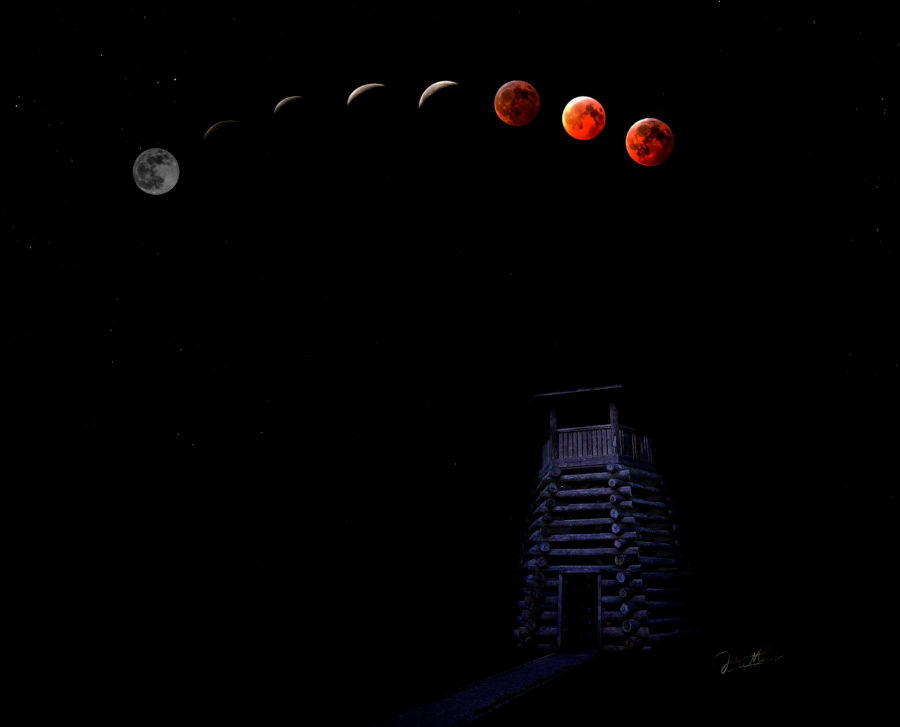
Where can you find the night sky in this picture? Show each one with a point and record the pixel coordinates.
(278, 418)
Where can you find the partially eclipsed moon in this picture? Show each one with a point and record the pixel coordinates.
(155, 171)
(649, 142)
(517, 103)
(285, 101)
(362, 89)
(433, 88)
(218, 125)
(583, 118)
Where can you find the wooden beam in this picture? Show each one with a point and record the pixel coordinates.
(653, 518)
(579, 537)
(619, 632)
(548, 491)
(658, 592)
(613, 584)
(586, 522)
(653, 560)
(560, 552)
(539, 548)
(612, 616)
(594, 569)
(588, 506)
(646, 488)
(587, 477)
(592, 492)
(650, 503)
(618, 601)
(651, 545)
(640, 474)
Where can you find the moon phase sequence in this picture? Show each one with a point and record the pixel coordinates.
(155, 171)
(648, 142)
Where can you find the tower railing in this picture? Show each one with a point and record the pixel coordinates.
(599, 444)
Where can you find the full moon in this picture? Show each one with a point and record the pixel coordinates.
(517, 103)
(155, 171)
(649, 142)
(583, 118)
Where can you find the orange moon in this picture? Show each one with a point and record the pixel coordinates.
(517, 103)
(649, 142)
(583, 118)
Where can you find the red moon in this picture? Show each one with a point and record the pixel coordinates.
(649, 142)
(583, 118)
(517, 103)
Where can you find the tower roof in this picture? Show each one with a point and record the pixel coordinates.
(573, 392)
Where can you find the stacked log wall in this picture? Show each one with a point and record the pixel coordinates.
(615, 522)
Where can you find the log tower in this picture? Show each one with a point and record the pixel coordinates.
(601, 562)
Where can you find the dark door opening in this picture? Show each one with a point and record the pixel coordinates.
(580, 598)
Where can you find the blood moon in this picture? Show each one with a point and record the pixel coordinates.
(583, 118)
(649, 142)
(517, 103)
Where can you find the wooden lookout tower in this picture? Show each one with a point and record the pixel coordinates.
(601, 558)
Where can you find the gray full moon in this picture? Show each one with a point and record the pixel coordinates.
(155, 171)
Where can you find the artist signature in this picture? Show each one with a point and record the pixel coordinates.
(756, 658)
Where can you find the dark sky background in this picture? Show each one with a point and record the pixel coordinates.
(278, 418)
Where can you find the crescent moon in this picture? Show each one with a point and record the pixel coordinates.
(285, 100)
(433, 88)
(218, 125)
(362, 89)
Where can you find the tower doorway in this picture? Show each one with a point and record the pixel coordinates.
(580, 617)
